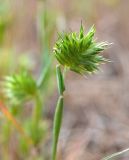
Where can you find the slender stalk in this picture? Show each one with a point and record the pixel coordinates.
(115, 155)
(57, 126)
(59, 111)
(68, 52)
(36, 117)
(43, 35)
(37, 110)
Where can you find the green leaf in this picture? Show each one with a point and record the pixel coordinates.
(57, 125)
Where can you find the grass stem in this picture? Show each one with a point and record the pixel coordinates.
(59, 111)
(116, 155)
(57, 125)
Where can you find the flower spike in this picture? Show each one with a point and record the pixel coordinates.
(79, 52)
(20, 87)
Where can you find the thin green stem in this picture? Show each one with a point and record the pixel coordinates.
(36, 117)
(59, 111)
(116, 155)
(37, 109)
(43, 35)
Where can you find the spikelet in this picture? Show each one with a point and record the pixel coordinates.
(19, 87)
(79, 52)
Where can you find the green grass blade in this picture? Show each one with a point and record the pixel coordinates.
(57, 126)
(116, 155)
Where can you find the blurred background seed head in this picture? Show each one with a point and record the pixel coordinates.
(20, 87)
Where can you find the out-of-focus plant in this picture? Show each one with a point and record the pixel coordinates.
(19, 89)
(22, 89)
(46, 27)
(80, 53)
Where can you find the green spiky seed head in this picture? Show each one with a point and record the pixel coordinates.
(19, 87)
(79, 52)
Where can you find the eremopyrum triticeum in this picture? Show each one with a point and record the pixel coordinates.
(20, 87)
(79, 52)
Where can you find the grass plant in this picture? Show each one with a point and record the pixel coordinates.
(20, 90)
(80, 53)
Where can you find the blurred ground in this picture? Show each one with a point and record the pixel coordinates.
(96, 115)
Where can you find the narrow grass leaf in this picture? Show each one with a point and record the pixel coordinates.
(116, 155)
(57, 126)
